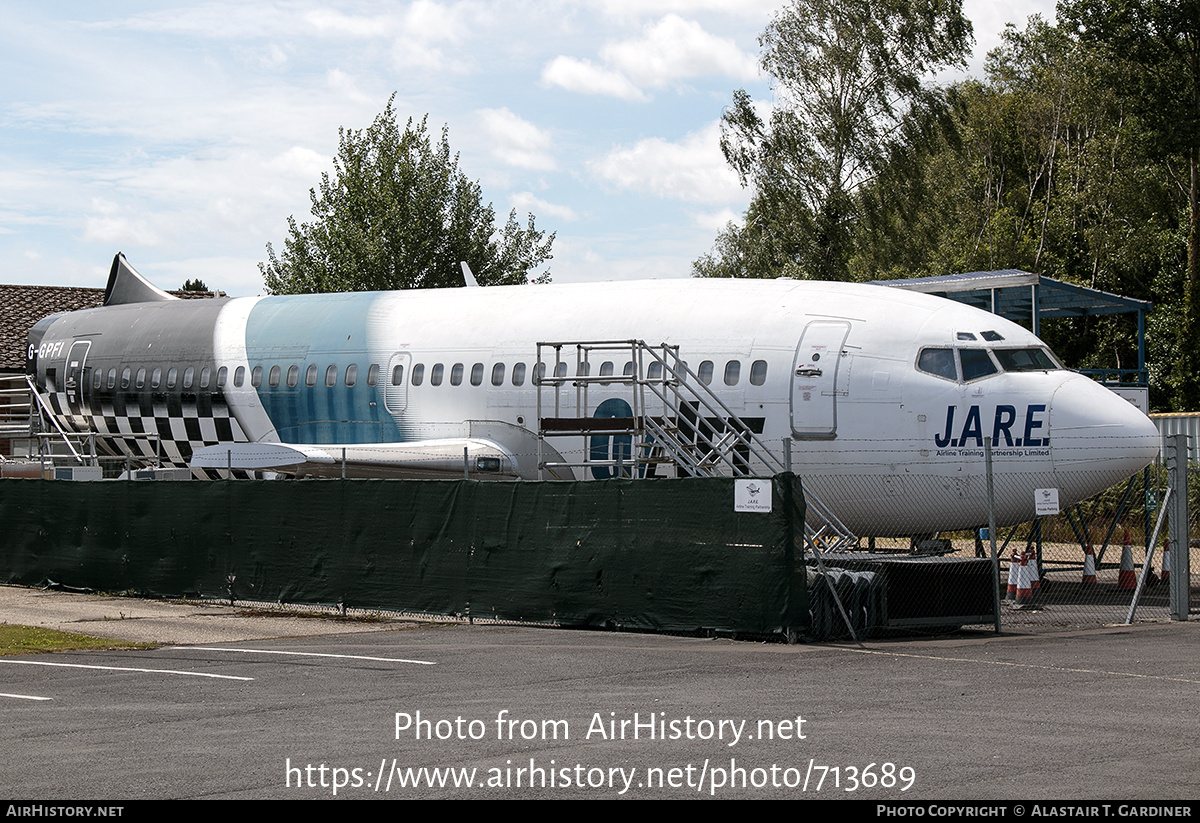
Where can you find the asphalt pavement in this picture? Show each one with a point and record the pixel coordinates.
(237, 706)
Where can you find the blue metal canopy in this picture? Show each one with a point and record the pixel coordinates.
(1027, 298)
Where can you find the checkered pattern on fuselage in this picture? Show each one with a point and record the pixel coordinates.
(131, 424)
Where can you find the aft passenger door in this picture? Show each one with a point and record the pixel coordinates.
(76, 358)
(814, 379)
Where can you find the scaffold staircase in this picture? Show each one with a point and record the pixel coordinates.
(671, 425)
(31, 430)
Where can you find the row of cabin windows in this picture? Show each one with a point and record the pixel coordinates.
(437, 373)
(153, 378)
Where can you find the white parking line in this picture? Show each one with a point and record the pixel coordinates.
(125, 669)
(307, 654)
(25, 696)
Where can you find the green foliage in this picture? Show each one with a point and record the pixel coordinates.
(1075, 156)
(848, 78)
(1155, 44)
(193, 285)
(397, 213)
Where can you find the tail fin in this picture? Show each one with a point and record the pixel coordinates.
(125, 285)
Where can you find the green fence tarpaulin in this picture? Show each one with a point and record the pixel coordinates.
(669, 555)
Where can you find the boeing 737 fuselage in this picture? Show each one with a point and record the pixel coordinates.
(886, 396)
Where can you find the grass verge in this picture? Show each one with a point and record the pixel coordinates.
(32, 639)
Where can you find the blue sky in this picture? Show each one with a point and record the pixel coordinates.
(185, 135)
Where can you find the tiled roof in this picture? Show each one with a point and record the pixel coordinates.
(22, 306)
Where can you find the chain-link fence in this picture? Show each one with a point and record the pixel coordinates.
(1085, 565)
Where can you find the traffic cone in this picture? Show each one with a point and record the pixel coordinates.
(1014, 564)
(1126, 579)
(1024, 592)
(1166, 561)
(1089, 564)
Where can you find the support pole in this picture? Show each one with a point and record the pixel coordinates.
(1177, 513)
(991, 497)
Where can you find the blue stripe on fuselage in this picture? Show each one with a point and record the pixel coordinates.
(318, 330)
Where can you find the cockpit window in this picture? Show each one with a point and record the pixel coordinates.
(975, 364)
(991, 336)
(1025, 360)
(939, 362)
(965, 335)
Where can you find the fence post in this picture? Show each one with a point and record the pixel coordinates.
(1176, 455)
(991, 499)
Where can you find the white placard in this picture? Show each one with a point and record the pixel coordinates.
(1045, 501)
(752, 495)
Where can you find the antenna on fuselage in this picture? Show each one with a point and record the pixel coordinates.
(468, 277)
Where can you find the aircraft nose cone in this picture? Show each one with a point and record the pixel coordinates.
(1096, 433)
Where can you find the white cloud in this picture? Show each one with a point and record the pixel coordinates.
(716, 221)
(642, 8)
(108, 225)
(669, 51)
(301, 163)
(673, 49)
(525, 202)
(515, 141)
(582, 77)
(692, 169)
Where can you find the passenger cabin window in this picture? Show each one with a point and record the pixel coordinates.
(373, 375)
(351, 375)
(398, 375)
(205, 376)
(456, 374)
(705, 372)
(733, 372)
(606, 369)
(310, 375)
(498, 374)
(560, 370)
(938, 362)
(583, 369)
(126, 374)
(189, 375)
(273, 377)
(141, 379)
(628, 370)
(539, 373)
(156, 378)
(239, 376)
(222, 376)
(256, 377)
(655, 371)
(758, 372)
(418, 374)
(975, 364)
(172, 377)
(97, 378)
(293, 376)
(436, 373)
(518, 374)
(331, 376)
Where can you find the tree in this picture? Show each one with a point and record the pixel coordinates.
(1156, 44)
(397, 213)
(193, 285)
(849, 87)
